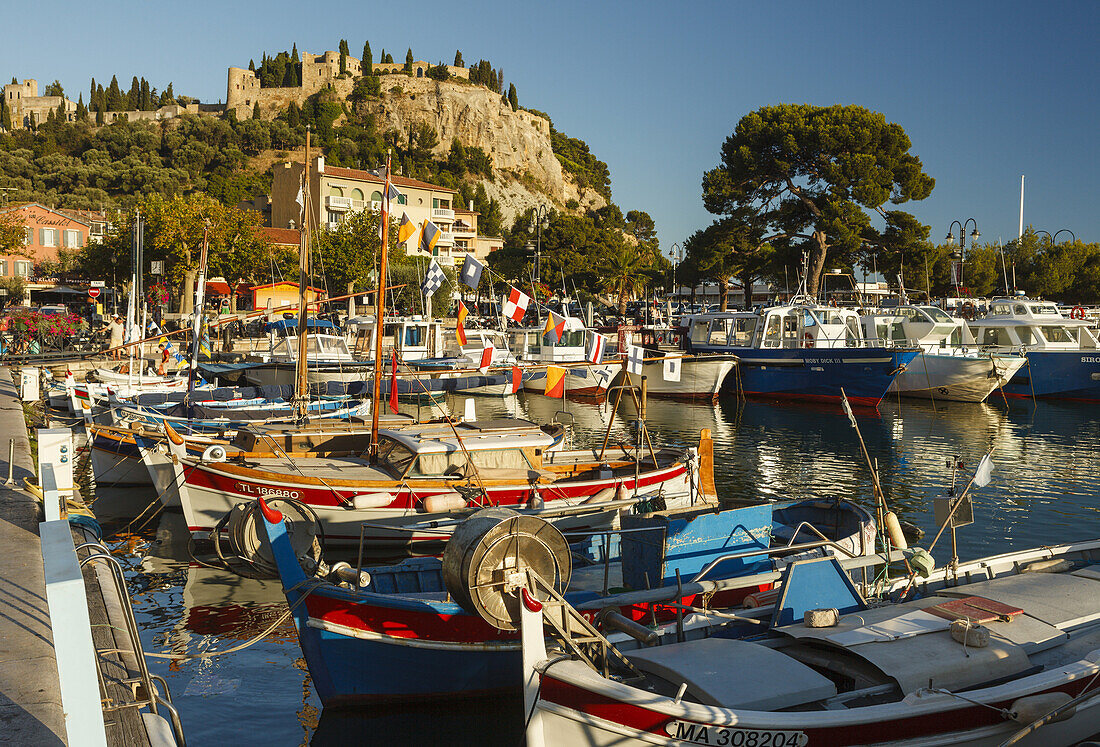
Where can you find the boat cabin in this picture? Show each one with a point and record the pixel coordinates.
(504, 449)
(532, 344)
(411, 337)
(908, 325)
(1022, 322)
(795, 326)
(323, 343)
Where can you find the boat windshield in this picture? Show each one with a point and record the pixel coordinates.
(1057, 333)
(938, 315)
(396, 456)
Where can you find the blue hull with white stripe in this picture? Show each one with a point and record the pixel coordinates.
(1058, 374)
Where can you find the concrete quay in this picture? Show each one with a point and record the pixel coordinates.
(30, 692)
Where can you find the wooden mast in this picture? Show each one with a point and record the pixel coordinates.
(301, 386)
(380, 308)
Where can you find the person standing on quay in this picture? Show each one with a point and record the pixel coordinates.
(116, 328)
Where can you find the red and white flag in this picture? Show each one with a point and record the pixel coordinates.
(594, 349)
(486, 358)
(516, 305)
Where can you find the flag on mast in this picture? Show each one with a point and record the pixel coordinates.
(672, 366)
(486, 357)
(471, 271)
(429, 236)
(433, 278)
(555, 382)
(555, 325)
(406, 230)
(594, 349)
(635, 358)
(984, 471)
(517, 379)
(516, 305)
(393, 382)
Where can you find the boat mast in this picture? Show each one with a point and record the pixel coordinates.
(301, 387)
(378, 314)
(196, 319)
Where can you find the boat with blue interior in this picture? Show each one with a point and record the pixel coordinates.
(802, 350)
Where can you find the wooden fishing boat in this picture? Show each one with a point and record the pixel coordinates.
(442, 472)
(1000, 650)
(403, 636)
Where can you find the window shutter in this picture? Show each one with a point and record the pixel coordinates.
(42, 236)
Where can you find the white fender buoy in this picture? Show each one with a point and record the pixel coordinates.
(1031, 708)
(444, 502)
(604, 495)
(893, 529)
(372, 500)
(535, 502)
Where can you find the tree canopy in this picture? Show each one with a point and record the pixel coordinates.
(809, 174)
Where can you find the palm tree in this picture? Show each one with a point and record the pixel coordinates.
(624, 270)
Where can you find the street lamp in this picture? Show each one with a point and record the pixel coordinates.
(675, 253)
(959, 256)
(1054, 238)
(540, 220)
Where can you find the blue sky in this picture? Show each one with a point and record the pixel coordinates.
(987, 91)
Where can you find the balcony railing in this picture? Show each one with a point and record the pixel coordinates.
(446, 238)
(443, 213)
(358, 204)
(332, 202)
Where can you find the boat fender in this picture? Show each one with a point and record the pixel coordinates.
(970, 634)
(372, 500)
(342, 572)
(606, 494)
(444, 502)
(893, 529)
(1031, 708)
(762, 598)
(535, 502)
(610, 617)
(1049, 566)
(920, 561)
(828, 617)
(215, 453)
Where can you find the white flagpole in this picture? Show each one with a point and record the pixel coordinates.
(1021, 235)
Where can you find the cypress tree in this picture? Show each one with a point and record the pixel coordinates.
(146, 96)
(99, 117)
(458, 59)
(13, 80)
(368, 60)
(100, 98)
(168, 94)
(114, 96)
(81, 111)
(409, 61)
(343, 57)
(91, 95)
(252, 65)
(513, 98)
(5, 117)
(292, 117)
(133, 98)
(256, 110)
(62, 115)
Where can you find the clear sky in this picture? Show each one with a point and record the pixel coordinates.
(986, 90)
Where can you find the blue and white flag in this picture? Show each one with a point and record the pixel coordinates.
(635, 357)
(471, 271)
(433, 279)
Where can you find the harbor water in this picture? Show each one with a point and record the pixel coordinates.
(1045, 490)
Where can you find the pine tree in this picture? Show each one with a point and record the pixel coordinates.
(513, 98)
(114, 96)
(368, 60)
(81, 111)
(133, 98)
(252, 65)
(409, 61)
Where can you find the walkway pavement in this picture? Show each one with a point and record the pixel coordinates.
(30, 694)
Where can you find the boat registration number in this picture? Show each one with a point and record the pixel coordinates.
(725, 736)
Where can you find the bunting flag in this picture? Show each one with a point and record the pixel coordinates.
(983, 472)
(672, 366)
(555, 382)
(848, 409)
(471, 271)
(406, 230)
(486, 358)
(460, 329)
(392, 193)
(517, 379)
(635, 357)
(516, 305)
(433, 278)
(428, 238)
(393, 382)
(594, 349)
(555, 325)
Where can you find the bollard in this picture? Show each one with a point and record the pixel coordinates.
(11, 462)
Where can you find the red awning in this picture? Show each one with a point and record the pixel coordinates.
(217, 287)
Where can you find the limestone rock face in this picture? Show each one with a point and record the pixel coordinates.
(526, 172)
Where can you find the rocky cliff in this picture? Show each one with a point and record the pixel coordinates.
(525, 170)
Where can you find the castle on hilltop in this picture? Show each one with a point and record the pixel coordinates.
(316, 72)
(28, 109)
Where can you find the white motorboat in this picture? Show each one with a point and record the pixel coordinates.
(951, 366)
(538, 349)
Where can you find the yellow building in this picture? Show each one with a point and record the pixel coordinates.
(283, 293)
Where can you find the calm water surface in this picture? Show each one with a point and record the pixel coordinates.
(1045, 489)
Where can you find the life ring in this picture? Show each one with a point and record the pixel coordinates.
(807, 340)
(1077, 313)
(968, 311)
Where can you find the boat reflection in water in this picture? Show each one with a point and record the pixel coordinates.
(183, 607)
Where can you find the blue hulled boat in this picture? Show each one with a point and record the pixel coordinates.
(1063, 356)
(802, 350)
